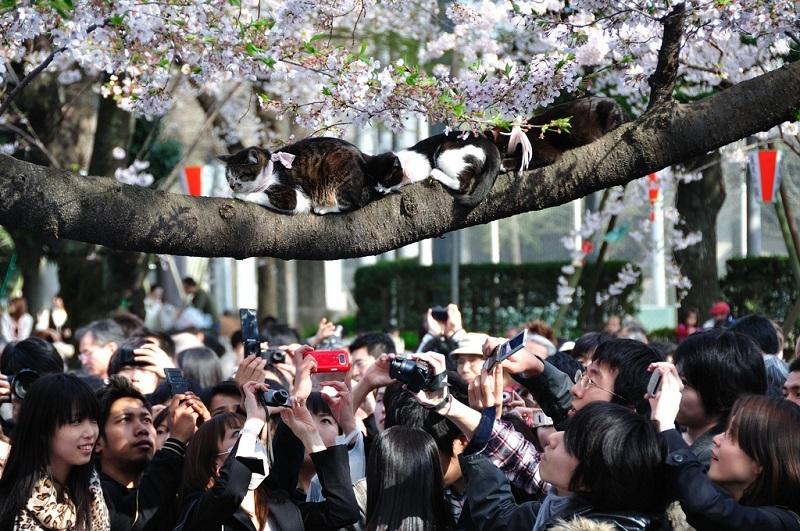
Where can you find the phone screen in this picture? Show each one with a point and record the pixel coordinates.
(249, 323)
(512, 345)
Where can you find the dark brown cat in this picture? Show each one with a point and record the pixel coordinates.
(321, 175)
(591, 118)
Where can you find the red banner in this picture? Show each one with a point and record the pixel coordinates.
(193, 180)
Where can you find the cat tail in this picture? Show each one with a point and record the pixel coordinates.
(484, 178)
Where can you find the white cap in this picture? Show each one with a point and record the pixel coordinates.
(473, 345)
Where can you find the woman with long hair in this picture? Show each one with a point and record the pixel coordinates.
(753, 481)
(49, 481)
(201, 365)
(228, 484)
(404, 483)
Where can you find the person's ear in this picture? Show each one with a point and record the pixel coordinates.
(112, 346)
(99, 445)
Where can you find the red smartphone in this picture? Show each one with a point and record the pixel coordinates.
(337, 360)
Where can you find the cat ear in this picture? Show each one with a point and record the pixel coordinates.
(252, 156)
(397, 164)
(224, 158)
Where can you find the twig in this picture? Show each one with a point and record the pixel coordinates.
(663, 79)
(35, 72)
(170, 179)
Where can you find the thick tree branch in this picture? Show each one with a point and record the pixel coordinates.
(100, 210)
(663, 79)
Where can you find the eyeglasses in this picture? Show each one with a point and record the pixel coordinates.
(585, 381)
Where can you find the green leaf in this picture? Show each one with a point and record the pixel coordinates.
(8, 4)
(236, 3)
(269, 61)
(262, 23)
(117, 20)
(327, 91)
(251, 49)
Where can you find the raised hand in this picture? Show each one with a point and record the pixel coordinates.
(665, 404)
(152, 357)
(341, 405)
(298, 418)
(251, 369)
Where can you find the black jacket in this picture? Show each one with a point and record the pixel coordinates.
(707, 506)
(151, 506)
(493, 507)
(551, 390)
(219, 506)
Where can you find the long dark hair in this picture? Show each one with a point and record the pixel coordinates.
(768, 430)
(404, 483)
(52, 401)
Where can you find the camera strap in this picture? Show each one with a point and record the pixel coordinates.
(439, 381)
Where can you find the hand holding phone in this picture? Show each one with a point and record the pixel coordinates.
(504, 350)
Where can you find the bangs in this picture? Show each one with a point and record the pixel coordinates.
(317, 405)
(84, 404)
(221, 423)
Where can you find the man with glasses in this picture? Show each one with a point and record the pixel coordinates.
(617, 373)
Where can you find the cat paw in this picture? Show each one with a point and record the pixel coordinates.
(446, 180)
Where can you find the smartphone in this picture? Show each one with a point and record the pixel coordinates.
(506, 349)
(439, 313)
(331, 360)
(654, 385)
(250, 337)
(177, 383)
(126, 356)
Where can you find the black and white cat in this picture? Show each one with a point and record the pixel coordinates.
(321, 175)
(468, 166)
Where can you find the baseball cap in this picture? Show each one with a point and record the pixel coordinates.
(720, 308)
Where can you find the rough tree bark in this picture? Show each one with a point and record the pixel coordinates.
(699, 203)
(100, 210)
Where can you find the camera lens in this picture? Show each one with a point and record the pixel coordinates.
(278, 397)
(277, 356)
(21, 381)
(402, 369)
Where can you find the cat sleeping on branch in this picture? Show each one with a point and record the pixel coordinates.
(327, 175)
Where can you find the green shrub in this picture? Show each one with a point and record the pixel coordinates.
(762, 285)
(493, 297)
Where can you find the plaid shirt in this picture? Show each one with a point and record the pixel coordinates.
(516, 456)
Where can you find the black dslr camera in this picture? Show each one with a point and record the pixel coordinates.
(274, 398)
(416, 375)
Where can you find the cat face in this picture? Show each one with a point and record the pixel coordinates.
(248, 170)
(388, 171)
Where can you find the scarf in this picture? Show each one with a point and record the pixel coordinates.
(44, 512)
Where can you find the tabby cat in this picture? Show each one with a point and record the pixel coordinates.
(466, 165)
(320, 175)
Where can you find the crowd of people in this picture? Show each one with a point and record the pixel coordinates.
(469, 432)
